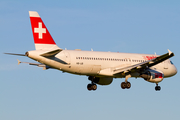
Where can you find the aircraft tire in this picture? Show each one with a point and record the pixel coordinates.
(94, 86)
(89, 87)
(157, 88)
(123, 85)
(128, 85)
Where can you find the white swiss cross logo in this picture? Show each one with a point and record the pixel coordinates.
(40, 30)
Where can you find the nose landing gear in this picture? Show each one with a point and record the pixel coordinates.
(157, 88)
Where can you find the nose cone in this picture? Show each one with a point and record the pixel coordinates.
(174, 70)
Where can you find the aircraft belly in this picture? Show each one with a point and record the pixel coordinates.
(85, 69)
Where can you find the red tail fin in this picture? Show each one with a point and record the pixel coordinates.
(42, 37)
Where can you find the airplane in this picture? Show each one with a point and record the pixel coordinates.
(100, 67)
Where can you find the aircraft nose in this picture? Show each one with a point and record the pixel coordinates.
(174, 71)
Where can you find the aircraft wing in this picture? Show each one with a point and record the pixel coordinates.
(144, 65)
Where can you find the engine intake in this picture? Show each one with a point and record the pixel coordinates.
(146, 75)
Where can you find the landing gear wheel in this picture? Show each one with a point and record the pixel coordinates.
(157, 88)
(123, 85)
(89, 87)
(128, 85)
(94, 86)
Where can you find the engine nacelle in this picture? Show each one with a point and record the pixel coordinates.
(101, 80)
(154, 76)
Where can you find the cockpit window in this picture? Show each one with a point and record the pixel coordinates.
(171, 62)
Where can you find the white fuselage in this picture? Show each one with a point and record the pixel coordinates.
(100, 67)
(90, 62)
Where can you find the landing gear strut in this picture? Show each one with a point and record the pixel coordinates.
(91, 86)
(157, 88)
(126, 84)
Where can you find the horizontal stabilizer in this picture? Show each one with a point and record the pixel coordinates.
(51, 53)
(45, 67)
(15, 54)
(18, 61)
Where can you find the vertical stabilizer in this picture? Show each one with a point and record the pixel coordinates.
(42, 38)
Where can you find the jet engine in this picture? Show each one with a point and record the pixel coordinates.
(101, 80)
(153, 76)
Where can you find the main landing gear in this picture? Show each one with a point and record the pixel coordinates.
(92, 86)
(157, 88)
(126, 84)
